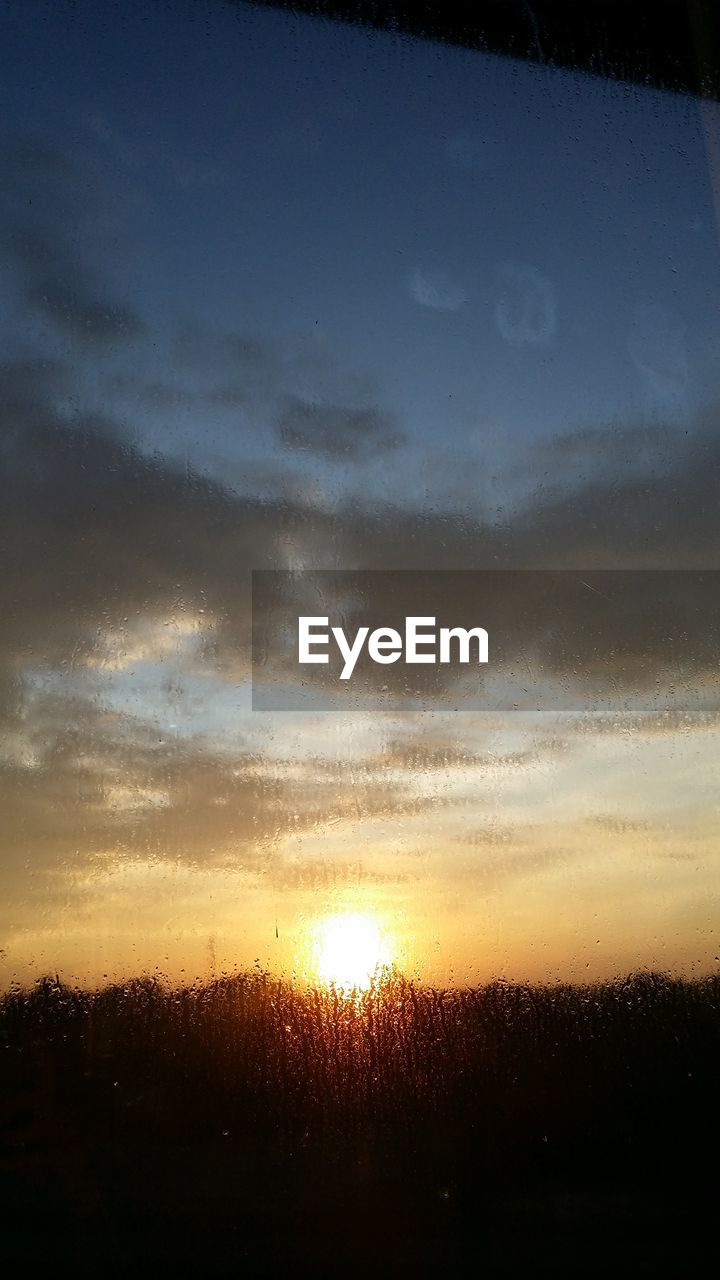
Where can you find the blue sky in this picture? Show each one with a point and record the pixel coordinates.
(485, 253)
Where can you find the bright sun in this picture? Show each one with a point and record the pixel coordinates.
(350, 950)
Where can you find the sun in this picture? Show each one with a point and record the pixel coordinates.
(350, 950)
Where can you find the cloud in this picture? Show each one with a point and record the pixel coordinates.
(337, 432)
(559, 639)
(101, 533)
(74, 308)
(115, 556)
(155, 396)
(616, 446)
(82, 784)
(50, 209)
(290, 393)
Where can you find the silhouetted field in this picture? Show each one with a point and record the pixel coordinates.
(250, 1128)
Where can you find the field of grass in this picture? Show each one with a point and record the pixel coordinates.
(255, 1129)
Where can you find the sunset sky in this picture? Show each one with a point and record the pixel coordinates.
(278, 293)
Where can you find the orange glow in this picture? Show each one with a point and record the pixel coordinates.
(350, 950)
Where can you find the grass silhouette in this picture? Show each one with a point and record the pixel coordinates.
(403, 1129)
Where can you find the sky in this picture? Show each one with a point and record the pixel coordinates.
(281, 293)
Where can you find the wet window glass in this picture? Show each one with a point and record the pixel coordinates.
(359, 634)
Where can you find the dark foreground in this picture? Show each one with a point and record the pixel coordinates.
(244, 1128)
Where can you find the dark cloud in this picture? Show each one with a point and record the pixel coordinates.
(74, 308)
(99, 532)
(154, 396)
(49, 230)
(558, 638)
(294, 393)
(246, 369)
(648, 448)
(336, 432)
